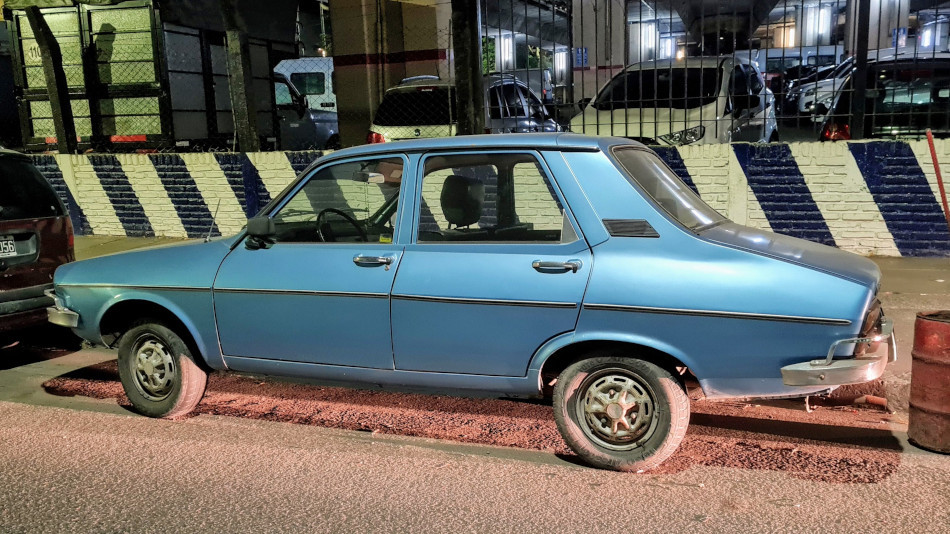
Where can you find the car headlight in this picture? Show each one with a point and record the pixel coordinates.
(684, 137)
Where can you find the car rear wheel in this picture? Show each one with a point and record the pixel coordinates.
(620, 413)
(158, 372)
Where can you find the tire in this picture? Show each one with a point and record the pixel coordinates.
(152, 350)
(603, 441)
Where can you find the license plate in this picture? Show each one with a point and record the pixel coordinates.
(7, 246)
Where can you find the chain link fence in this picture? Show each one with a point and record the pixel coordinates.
(662, 72)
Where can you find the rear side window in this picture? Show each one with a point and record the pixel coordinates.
(421, 106)
(24, 193)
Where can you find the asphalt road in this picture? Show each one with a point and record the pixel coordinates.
(77, 464)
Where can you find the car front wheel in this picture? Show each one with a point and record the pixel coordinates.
(620, 413)
(158, 372)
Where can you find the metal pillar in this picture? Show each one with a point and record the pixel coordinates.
(55, 81)
(468, 67)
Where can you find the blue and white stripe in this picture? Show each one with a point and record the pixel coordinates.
(876, 197)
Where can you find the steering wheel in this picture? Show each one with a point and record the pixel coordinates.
(321, 220)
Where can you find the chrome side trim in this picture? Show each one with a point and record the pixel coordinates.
(720, 314)
(488, 302)
(302, 292)
(123, 286)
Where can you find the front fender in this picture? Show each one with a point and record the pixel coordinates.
(193, 307)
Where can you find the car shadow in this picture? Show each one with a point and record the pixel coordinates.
(835, 434)
(817, 449)
(35, 345)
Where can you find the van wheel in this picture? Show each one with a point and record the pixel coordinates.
(774, 137)
(620, 413)
(158, 372)
(333, 143)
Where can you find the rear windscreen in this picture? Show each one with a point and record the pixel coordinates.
(421, 106)
(24, 193)
(671, 88)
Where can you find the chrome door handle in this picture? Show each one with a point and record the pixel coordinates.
(570, 265)
(373, 260)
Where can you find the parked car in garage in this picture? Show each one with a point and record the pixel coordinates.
(426, 106)
(804, 96)
(683, 101)
(36, 237)
(534, 265)
(905, 96)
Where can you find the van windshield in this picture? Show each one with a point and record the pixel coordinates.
(417, 106)
(24, 193)
(671, 88)
(666, 189)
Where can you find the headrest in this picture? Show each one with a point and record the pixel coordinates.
(462, 200)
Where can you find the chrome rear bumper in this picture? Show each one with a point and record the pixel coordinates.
(831, 372)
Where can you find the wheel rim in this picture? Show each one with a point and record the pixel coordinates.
(616, 409)
(153, 368)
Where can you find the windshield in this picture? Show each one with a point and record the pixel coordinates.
(675, 88)
(419, 106)
(666, 189)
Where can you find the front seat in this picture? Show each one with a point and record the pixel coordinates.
(462, 200)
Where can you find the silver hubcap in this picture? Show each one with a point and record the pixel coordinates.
(618, 409)
(155, 369)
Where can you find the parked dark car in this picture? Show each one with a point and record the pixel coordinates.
(36, 237)
(905, 96)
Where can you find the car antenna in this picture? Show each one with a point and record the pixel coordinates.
(213, 219)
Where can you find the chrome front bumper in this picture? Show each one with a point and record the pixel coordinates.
(58, 313)
(832, 372)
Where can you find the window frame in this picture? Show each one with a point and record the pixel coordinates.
(294, 188)
(419, 180)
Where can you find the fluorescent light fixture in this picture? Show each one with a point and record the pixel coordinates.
(927, 39)
(824, 21)
(507, 52)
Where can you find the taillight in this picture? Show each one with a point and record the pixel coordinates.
(836, 132)
(373, 138)
(70, 240)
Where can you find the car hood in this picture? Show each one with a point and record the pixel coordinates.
(645, 122)
(798, 251)
(188, 265)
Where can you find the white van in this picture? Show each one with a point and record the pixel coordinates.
(683, 101)
(313, 78)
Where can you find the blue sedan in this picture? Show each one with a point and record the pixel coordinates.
(576, 268)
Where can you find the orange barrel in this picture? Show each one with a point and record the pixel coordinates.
(930, 382)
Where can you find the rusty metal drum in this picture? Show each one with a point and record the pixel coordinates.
(930, 382)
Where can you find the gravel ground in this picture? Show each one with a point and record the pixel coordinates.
(837, 444)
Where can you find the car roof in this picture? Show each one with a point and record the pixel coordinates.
(703, 61)
(532, 141)
(7, 153)
(434, 81)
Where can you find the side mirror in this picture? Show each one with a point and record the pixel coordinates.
(260, 233)
(582, 103)
(300, 102)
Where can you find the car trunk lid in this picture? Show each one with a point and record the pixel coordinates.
(799, 251)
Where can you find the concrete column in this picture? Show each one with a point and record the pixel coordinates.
(377, 43)
(886, 16)
(600, 26)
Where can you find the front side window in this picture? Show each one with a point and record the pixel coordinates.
(497, 198)
(282, 96)
(666, 189)
(346, 202)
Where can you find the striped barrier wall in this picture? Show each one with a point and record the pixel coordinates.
(872, 198)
